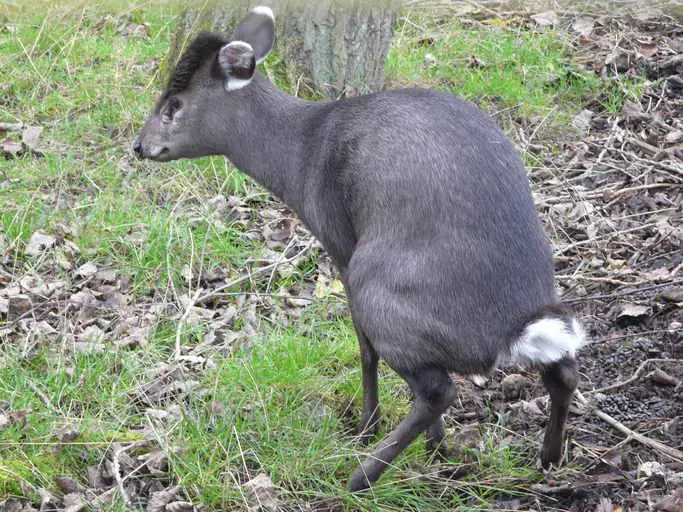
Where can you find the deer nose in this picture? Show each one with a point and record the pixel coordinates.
(137, 149)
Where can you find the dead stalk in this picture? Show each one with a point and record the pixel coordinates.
(651, 443)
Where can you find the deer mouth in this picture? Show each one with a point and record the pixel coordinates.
(161, 155)
(157, 153)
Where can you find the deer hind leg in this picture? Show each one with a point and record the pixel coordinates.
(560, 378)
(434, 392)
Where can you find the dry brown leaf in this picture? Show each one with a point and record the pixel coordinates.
(647, 49)
(74, 502)
(262, 493)
(662, 378)
(474, 62)
(604, 505)
(10, 148)
(39, 243)
(68, 485)
(30, 137)
(99, 477)
(86, 270)
(158, 500)
(584, 26)
(68, 435)
(582, 121)
(631, 313)
(526, 408)
(546, 19)
(180, 506)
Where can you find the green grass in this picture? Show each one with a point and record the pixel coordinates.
(499, 67)
(290, 397)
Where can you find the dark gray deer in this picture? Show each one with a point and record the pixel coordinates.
(423, 204)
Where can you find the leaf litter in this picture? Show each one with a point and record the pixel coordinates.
(611, 199)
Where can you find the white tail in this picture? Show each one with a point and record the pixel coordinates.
(547, 341)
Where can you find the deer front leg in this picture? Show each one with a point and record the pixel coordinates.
(370, 417)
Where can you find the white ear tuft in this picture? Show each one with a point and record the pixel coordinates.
(232, 84)
(264, 10)
(237, 61)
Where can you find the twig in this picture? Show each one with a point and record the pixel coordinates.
(11, 127)
(262, 270)
(181, 322)
(635, 375)
(116, 469)
(197, 299)
(43, 397)
(626, 190)
(606, 147)
(655, 445)
(616, 295)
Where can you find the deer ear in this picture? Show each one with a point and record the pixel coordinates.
(237, 62)
(258, 29)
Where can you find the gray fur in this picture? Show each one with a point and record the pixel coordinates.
(425, 207)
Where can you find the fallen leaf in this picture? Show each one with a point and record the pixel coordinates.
(4, 305)
(68, 435)
(74, 502)
(660, 377)
(584, 26)
(10, 148)
(526, 408)
(11, 127)
(474, 62)
(546, 19)
(620, 59)
(47, 500)
(158, 500)
(99, 477)
(34, 285)
(674, 137)
(30, 137)
(39, 243)
(647, 49)
(19, 305)
(630, 313)
(262, 493)
(582, 120)
(651, 468)
(604, 505)
(672, 503)
(68, 485)
(325, 287)
(478, 380)
(673, 294)
(88, 348)
(92, 335)
(86, 270)
(219, 203)
(180, 506)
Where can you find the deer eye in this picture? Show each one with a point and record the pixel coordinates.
(172, 106)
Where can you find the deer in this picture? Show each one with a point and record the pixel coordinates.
(422, 203)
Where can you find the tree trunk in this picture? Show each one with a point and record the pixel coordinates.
(327, 49)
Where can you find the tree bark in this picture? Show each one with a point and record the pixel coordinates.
(324, 48)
